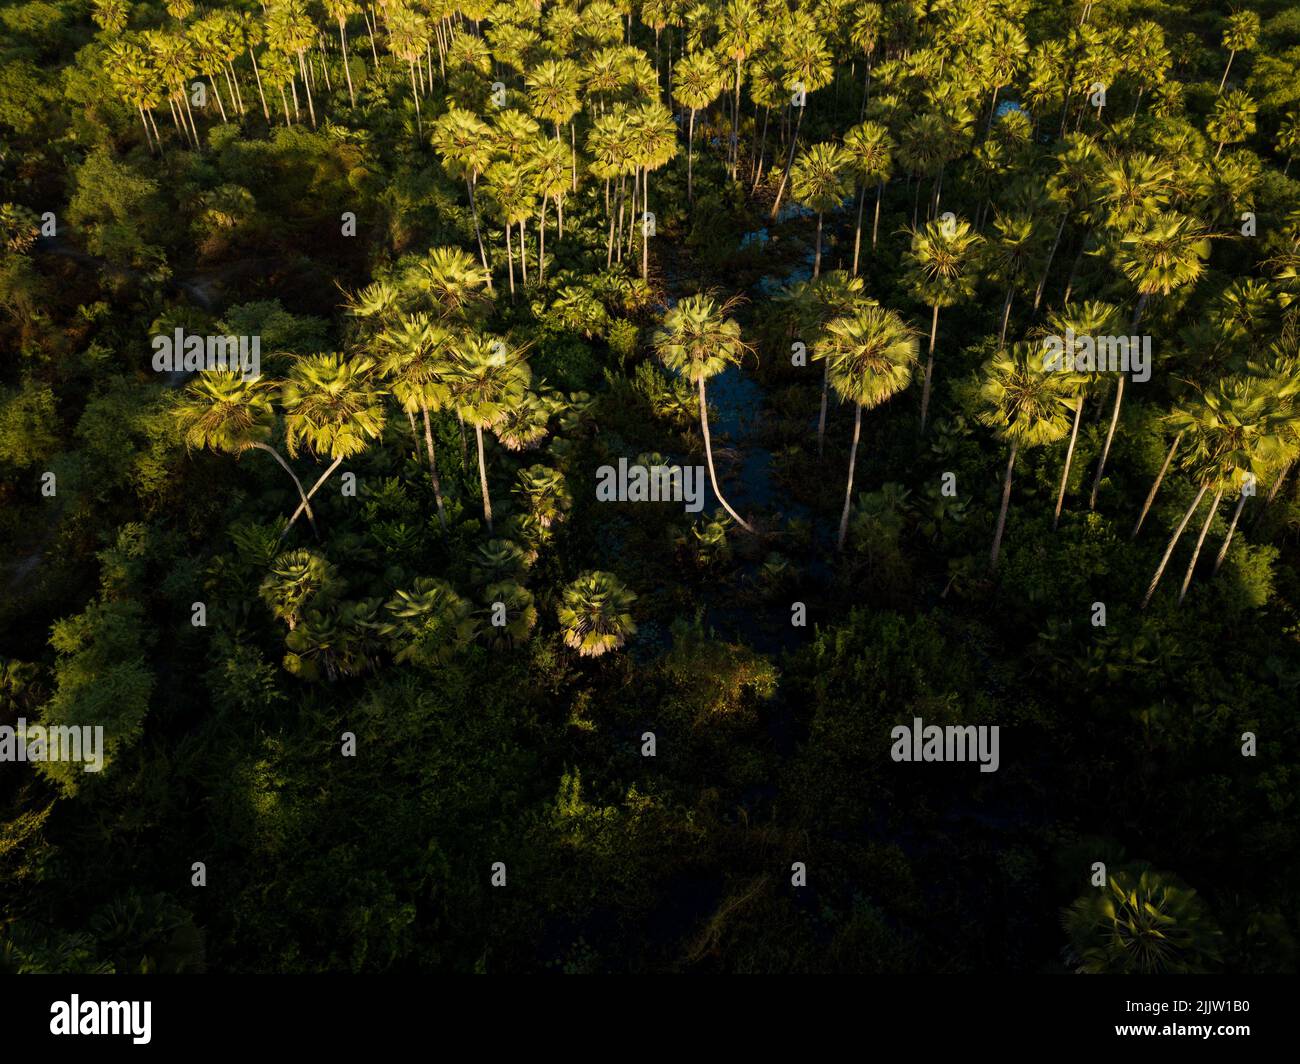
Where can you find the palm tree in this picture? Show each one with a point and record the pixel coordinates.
(1085, 319)
(1240, 35)
(553, 87)
(808, 64)
(698, 80)
(550, 170)
(1000, 57)
(1072, 186)
(869, 356)
(484, 382)
(510, 189)
(340, 11)
(520, 613)
(593, 612)
(1012, 251)
(1144, 923)
(449, 284)
(941, 265)
(654, 145)
(819, 183)
(699, 341)
(416, 354)
(408, 39)
(223, 412)
(1026, 406)
(333, 409)
(1288, 140)
(740, 31)
(464, 142)
(1165, 256)
(430, 623)
(545, 495)
(1233, 119)
(869, 149)
(296, 578)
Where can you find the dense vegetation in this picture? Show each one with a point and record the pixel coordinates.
(867, 218)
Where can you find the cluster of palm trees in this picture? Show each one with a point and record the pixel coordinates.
(529, 105)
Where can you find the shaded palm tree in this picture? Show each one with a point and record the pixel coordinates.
(870, 356)
(869, 149)
(1026, 406)
(429, 623)
(484, 382)
(1143, 922)
(941, 269)
(698, 80)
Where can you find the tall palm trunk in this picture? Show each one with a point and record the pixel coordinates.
(848, 491)
(1002, 512)
(314, 488)
(510, 261)
(433, 467)
(1200, 541)
(875, 225)
(1105, 450)
(482, 479)
(789, 162)
(296, 482)
(857, 233)
(1272, 492)
(306, 88)
(258, 75)
(708, 455)
(690, 159)
(1224, 80)
(1151, 495)
(1173, 542)
(645, 236)
(343, 40)
(1069, 457)
(1038, 295)
(929, 368)
(478, 233)
(1227, 540)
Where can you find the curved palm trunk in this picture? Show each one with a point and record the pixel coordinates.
(929, 369)
(1105, 451)
(433, 468)
(1151, 495)
(296, 482)
(1200, 541)
(848, 492)
(1173, 542)
(1227, 540)
(314, 488)
(708, 454)
(875, 224)
(1069, 457)
(1002, 512)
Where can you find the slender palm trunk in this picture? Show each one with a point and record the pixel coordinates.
(1227, 540)
(1151, 495)
(708, 455)
(789, 162)
(343, 40)
(1006, 314)
(857, 233)
(817, 257)
(258, 75)
(1173, 542)
(645, 225)
(1272, 492)
(433, 467)
(314, 488)
(875, 225)
(929, 368)
(848, 492)
(541, 242)
(1002, 512)
(1038, 295)
(690, 159)
(478, 233)
(306, 88)
(296, 482)
(1069, 457)
(1200, 541)
(1105, 450)
(1224, 80)
(482, 479)
(510, 260)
